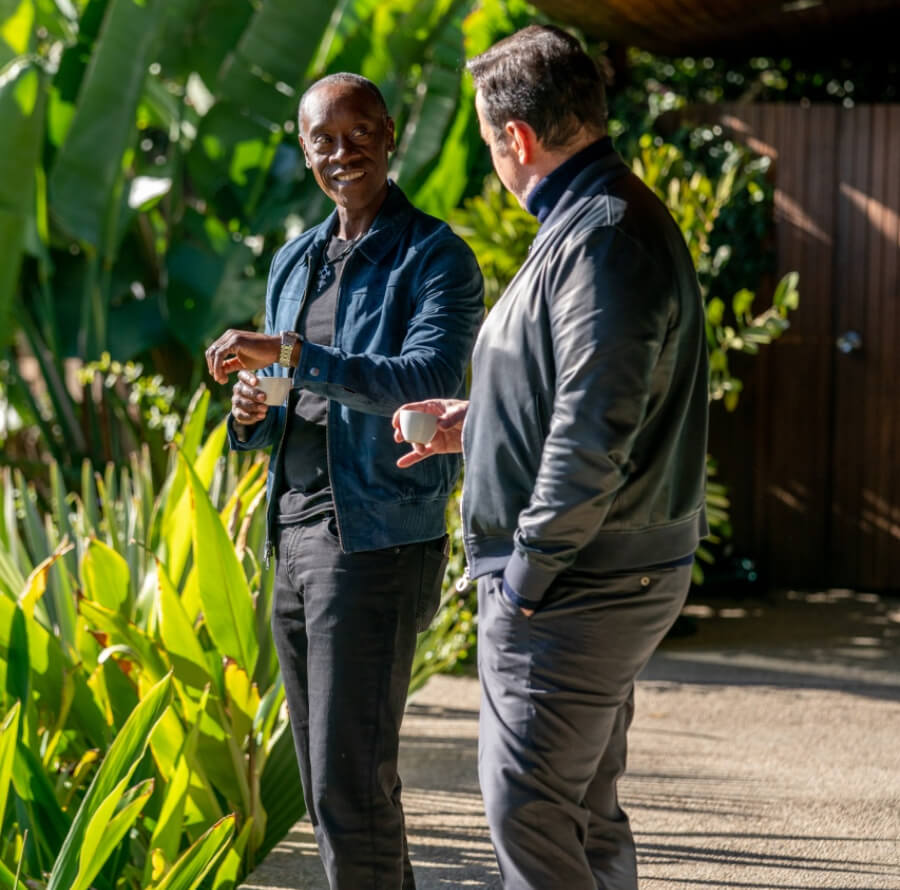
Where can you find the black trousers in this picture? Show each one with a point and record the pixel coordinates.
(345, 632)
(556, 704)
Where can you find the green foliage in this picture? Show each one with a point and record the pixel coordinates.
(653, 84)
(499, 232)
(697, 202)
(144, 716)
(152, 169)
(160, 161)
(451, 636)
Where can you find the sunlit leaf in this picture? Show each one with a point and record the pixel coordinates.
(120, 762)
(105, 576)
(227, 604)
(199, 859)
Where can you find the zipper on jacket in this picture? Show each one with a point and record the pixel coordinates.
(270, 512)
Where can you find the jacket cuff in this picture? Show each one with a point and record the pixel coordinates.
(237, 441)
(514, 597)
(314, 365)
(525, 584)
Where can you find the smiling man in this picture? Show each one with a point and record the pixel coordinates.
(377, 306)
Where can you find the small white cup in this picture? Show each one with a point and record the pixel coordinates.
(417, 426)
(275, 388)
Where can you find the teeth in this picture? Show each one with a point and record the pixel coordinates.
(349, 177)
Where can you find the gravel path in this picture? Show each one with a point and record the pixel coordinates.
(770, 765)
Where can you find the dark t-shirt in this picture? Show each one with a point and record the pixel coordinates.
(306, 492)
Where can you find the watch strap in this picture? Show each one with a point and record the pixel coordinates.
(288, 341)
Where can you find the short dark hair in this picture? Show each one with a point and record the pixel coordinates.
(347, 77)
(542, 76)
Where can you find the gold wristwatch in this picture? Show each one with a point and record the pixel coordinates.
(289, 340)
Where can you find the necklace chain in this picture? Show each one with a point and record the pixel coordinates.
(326, 267)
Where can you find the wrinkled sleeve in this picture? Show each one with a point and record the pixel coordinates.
(609, 316)
(448, 307)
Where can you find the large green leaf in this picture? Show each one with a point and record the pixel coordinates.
(214, 29)
(108, 825)
(224, 592)
(124, 633)
(87, 173)
(9, 735)
(256, 92)
(44, 817)
(22, 95)
(280, 772)
(179, 642)
(177, 521)
(105, 576)
(229, 871)
(209, 288)
(46, 664)
(199, 859)
(184, 786)
(120, 762)
(9, 528)
(436, 105)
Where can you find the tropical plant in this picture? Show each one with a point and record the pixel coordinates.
(149, 168)
(134, 606)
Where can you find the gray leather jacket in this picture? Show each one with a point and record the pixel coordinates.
(585, 439)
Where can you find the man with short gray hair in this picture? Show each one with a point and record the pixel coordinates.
(585, 448)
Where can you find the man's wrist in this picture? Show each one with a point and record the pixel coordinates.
(288, 351)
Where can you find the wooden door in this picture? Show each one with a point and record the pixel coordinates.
(812, 455)
(864, 542)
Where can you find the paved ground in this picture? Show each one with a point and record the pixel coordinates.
(765, 754)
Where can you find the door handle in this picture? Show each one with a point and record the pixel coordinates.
(849, 341)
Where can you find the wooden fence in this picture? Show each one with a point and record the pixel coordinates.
(812, 454)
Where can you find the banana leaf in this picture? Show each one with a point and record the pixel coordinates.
(22, 100)
(87, 172)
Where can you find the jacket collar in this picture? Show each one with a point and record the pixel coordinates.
(593, 180)
(545, 195)
(392, 218)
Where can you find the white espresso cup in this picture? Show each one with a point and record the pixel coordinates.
(275, 388)
(417, 426)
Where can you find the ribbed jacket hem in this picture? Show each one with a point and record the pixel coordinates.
(609, 551)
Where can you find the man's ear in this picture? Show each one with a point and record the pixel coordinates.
(389, 128)
(303, 149)
(522, 140)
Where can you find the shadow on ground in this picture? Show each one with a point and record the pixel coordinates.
(763, 755)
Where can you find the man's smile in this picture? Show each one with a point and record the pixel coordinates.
(349, 175)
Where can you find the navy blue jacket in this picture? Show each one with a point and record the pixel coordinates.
(408, 309)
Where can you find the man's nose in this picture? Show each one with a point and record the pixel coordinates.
(344, 148)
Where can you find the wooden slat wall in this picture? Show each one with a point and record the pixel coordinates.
(812, 454)
(852, 275)
(868, 512)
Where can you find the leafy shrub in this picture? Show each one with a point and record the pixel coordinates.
(143, 702)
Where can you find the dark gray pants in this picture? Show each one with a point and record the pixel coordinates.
(345, 631)
(557, 701)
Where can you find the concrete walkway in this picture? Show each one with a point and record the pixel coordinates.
(765, 754)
